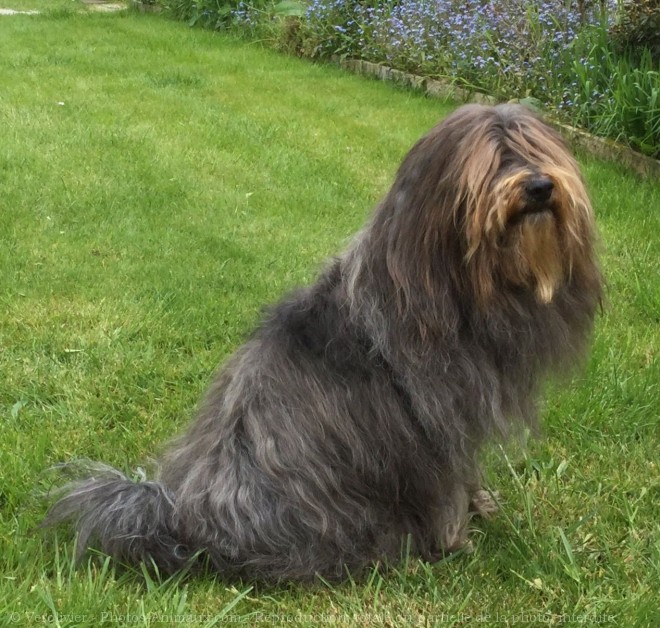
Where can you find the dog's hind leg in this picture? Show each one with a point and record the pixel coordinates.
(453, 523)
(465, 502)
(483, 503)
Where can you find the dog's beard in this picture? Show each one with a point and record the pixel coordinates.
(535, 259)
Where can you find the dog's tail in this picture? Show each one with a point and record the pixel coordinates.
(134, 522)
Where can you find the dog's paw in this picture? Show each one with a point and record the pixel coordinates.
(483, 503)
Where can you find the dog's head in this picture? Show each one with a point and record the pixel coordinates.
(498, 188)
(528, 219)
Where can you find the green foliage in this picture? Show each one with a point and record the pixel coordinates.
(255, 18)
(216, 14)
(288, 8)
(638, 28)
(616, 97)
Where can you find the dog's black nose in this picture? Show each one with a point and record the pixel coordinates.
(540, 188)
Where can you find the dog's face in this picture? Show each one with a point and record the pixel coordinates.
(528, 221)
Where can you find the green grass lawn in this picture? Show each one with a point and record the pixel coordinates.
(158, 185)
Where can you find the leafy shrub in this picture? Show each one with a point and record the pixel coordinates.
(614, 97)
(216, 14)
(638, 28)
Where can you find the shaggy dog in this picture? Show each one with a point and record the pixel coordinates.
(352, 418)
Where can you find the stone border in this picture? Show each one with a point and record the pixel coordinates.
(610, 150)
(602, 148)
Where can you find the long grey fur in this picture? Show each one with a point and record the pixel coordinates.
(352, 418)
